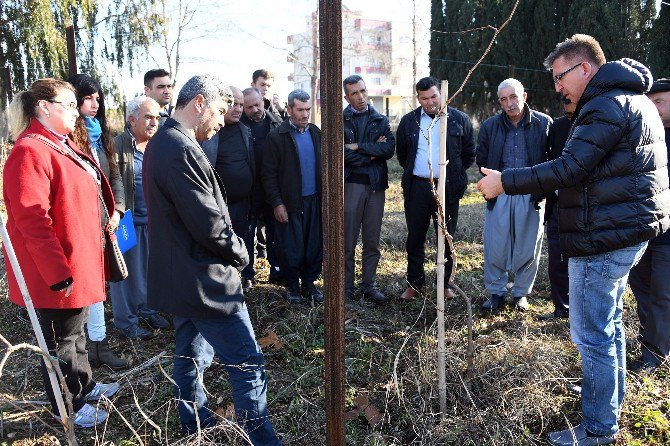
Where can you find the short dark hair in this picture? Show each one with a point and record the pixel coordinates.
(579, 46)
(298, 94)
(261, 73)
(351, 80)
(150, 75)
(427, 83)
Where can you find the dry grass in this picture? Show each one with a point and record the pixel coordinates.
(518, 394)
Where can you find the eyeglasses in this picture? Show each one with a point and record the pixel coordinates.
(559, 76)
(65, 105)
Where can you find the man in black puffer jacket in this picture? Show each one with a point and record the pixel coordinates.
(614, 198)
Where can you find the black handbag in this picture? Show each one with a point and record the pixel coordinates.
(118, 270)
(117, 264)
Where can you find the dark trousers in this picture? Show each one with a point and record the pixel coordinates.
(363, 210)
(244, 228)
(63, 331)
(299, 244)
(558, 268)
(420, 209)
(267, 220)
(651, 287)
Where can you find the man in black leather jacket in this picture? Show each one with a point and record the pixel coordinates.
(368, 143)
(614, 197)
(412, 149)
(649, 278)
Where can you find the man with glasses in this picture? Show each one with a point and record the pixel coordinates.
(614, 197)
(194, 258)
(513, 232)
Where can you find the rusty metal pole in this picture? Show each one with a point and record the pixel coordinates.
(71, 51)
(330, 50)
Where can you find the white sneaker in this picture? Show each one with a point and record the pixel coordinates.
(89, 416)
(101, 389)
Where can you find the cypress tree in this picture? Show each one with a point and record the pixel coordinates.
(659, 47)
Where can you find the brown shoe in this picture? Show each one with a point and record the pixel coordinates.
(449, 292)
(409, 294)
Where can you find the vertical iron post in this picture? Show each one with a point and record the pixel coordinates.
(330, 52)
(71, 51)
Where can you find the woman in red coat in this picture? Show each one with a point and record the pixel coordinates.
(55, 220)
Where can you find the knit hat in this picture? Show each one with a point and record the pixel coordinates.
(660, 85)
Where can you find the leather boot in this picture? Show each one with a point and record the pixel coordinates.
(100, 354)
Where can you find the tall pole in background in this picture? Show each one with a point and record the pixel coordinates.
(332, 142)
(71, 51)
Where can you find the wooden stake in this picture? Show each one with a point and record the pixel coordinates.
(332, 141)
(441, 187)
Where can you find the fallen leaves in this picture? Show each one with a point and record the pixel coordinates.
(363, 405)
(271, 341)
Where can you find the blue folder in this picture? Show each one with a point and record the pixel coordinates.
(125, 233)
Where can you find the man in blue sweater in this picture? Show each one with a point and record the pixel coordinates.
(292, 182)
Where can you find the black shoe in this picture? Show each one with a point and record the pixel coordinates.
(247, 285)
(136, 332)
(276, 277)
(521, 303)
(100, 354)
(579, 436)
(642, 366)
(375, 296)
(554, 315)
(493, 303)
(155, 320)
(293, 296)
(312, 293)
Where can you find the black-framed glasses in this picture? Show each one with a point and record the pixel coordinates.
(65, 105)
(559, 76)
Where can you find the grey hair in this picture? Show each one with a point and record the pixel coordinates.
(298, 94)
(210, 87)
(511, 82)
(251, 90)
(134, 105)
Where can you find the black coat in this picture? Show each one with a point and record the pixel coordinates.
(558, 135)
(282, 179)
(491, 143)
(612, 173)
(377, 126)
(194, 256)
(460, 150)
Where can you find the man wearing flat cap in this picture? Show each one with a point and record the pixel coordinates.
(648, 279)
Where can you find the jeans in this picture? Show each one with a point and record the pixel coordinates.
(597, 284)
(232, 338)
(96, 322)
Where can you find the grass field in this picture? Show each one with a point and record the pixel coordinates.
(518, 394)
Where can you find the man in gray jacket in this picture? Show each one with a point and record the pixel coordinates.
(513, 230)
(129, 297)
(194, 258)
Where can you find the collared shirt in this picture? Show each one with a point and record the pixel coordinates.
(295, 127)
(515, 154)
(421, 161)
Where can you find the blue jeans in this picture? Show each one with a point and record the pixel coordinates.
(232, 338)
(597, 284)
